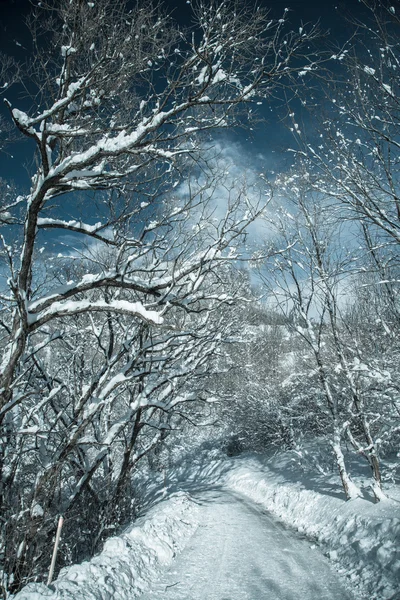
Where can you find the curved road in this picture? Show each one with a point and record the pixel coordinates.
(240, 552)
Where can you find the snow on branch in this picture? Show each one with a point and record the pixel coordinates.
(61, 309)
(71, 225)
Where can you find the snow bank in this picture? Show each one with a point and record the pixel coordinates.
(361, 537)
(129, 562)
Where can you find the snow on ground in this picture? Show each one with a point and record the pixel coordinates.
(129, 562)
(360, 538)
(240, 552)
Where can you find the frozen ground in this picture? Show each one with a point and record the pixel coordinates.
(220, 539)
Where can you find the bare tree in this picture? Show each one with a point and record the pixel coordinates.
(97, 357)
(350, 161)
(101, 389)
(9, 75)
(303, 288)
(356, 152)
(117, 109)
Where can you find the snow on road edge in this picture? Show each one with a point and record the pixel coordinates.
(360, 537)
(128, 562)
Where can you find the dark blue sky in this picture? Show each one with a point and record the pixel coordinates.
(271, 141)
(331, 13)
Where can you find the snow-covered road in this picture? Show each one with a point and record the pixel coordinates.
(240, 552)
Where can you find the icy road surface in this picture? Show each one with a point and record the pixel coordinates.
(239, 552)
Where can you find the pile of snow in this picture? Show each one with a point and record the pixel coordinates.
(360, 537)
(129, 562)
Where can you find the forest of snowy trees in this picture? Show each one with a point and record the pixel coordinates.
(136, 317)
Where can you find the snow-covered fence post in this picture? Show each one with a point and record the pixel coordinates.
(56, 544)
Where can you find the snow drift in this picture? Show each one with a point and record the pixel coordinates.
(129, 562)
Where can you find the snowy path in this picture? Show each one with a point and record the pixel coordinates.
(241, 553)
